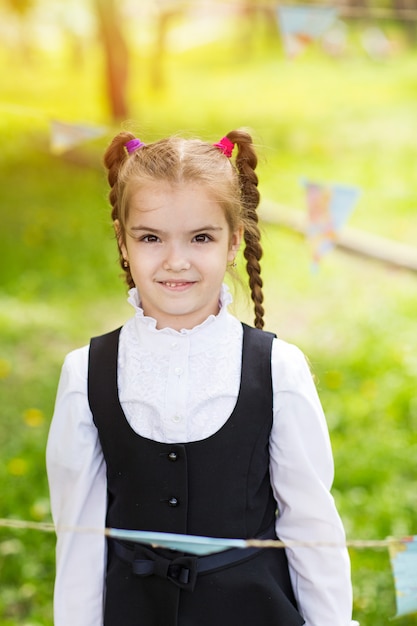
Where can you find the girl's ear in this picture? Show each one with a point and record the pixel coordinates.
(235, 241)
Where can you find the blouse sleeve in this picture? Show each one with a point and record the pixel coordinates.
(301, 476)
(77, 483)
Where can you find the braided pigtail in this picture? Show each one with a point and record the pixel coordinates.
(246, 162)
(114, 158)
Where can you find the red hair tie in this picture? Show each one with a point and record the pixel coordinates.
(226, 146)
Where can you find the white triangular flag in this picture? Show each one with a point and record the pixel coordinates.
(66, 136)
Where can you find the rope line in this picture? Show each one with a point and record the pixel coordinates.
(250, 543)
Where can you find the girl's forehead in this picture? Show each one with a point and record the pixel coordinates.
(173, 198)
(168, 188)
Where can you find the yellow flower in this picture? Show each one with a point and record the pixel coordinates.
(33, 417)
(5, 368)
(40, 509)
(333, 379)
(17, 466)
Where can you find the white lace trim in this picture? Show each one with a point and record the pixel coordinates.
(179, 386)
(225, 299)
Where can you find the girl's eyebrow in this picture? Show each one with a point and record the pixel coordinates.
(210, 227)
(157, 231)
(148, 229)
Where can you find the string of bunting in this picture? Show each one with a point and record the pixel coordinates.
(398, 13)
(193, 543)
(300, 25)
(360, 11)
(402, 551)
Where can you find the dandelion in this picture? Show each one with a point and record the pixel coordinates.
(33, 417)
(333, 379)
(11, 547)
(40, 509)
(5, 368)
(17, 466)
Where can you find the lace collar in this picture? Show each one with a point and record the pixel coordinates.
(212, 328)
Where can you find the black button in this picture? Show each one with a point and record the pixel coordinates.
(173, 456)
(173, 502)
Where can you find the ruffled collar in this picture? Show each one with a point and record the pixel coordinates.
(144, 321)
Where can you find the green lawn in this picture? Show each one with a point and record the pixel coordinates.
(349, 120)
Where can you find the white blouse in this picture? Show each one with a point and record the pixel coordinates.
(171, 384)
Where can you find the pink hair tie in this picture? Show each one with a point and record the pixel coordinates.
(226, 146)
(133, 145)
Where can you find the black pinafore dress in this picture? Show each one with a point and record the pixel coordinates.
(218, 487)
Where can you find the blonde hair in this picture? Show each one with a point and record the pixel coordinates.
(177, 160)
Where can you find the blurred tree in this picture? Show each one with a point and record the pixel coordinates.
(259, 22)
(116, 56)
(401, 6)
(361, 4)
(264, 11)
(167, 11)
(20, 6)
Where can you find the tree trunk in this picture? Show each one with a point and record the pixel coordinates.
(409, 24)
(116, 57)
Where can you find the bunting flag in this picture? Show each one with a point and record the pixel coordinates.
(301, 24)
(193, 544)
(328, 207)
(66, 136)
(403, 556)
(334, 40)
(376, 44)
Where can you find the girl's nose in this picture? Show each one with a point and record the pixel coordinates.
(176, 261)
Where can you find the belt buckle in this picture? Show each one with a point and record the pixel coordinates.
(182, 572)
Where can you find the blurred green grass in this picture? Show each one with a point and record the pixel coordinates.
(348, 120)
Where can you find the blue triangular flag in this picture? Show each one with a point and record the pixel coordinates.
(302, 24)
(328, 207)
(193, 544)
(403, 556)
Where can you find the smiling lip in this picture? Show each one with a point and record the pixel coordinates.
(177, 285)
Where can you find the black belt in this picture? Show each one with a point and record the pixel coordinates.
(182, 570)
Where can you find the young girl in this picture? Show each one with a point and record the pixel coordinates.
(187, 421)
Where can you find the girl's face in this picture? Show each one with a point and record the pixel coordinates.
(178, 244)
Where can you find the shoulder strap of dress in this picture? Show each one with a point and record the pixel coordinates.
(257, 332)
(102, 371)
(256, 355)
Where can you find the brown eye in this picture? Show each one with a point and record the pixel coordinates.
(202, 238)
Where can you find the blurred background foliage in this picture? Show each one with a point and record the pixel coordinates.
(344, 111)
